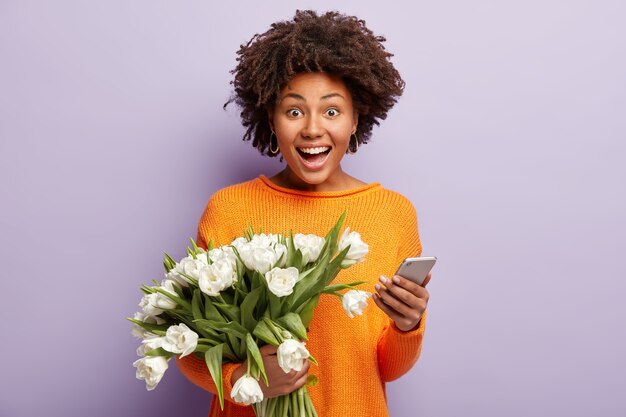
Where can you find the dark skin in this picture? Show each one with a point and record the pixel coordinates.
(402, 300)
(281, 383)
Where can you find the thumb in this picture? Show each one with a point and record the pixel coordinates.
(268, 350)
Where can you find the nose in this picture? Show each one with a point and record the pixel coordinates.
(313, 127)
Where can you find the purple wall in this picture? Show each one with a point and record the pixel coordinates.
(510, 141)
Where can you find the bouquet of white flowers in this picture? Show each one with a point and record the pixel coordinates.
(224, 303)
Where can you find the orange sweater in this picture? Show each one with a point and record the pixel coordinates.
(356, 356)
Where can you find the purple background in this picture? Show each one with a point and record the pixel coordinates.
(510, 141)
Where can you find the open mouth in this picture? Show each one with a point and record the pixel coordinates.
(314, 155)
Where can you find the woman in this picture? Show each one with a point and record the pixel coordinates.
(311, 90)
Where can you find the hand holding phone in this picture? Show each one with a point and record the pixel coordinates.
(416, 269)
(403, 301)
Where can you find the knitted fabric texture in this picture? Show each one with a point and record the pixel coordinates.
(356, 356)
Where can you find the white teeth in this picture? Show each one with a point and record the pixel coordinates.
(315, 151)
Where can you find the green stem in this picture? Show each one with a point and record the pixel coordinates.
(302, 412)
(294, 404)
(271, 406)
(285, 406)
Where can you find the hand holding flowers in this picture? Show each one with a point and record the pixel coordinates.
(249, 302)
(280, 382)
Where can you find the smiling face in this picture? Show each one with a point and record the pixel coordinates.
(313, 120)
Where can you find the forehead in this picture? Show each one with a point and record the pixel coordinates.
(315, 85)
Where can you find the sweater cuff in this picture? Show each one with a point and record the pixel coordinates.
(409, 335)
(227, 373)
(196, 371)
(398, 351)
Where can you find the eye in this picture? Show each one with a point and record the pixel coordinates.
(294, 113)
(332, 112)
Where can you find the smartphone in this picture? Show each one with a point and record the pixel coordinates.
(416, 269)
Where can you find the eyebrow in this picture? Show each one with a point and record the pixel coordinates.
(301, 98)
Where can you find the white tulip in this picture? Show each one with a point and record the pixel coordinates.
(155, 303)
(354, 301)
(238, 242)
(176, 276)
(281, 281)
(150, 342)
(216, 277)
(358, 248)
(151, 369)
(310, 246)
(224, 254)
(247, 391)
(262, 239)
(180, 339)
(191, 266)
(261, 258)
(138, 331)
(291, 355)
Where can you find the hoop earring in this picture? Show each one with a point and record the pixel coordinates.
(356, 144)
(277, 148)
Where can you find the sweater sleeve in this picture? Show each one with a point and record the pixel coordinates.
(397, 350)
(190, 366)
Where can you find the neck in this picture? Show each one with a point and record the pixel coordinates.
(338, 181)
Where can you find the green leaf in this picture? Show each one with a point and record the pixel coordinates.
(178, 290)
(331, 289)
(210, 311)
(183, 303)
(247, 309)
(249, 232)
(311, 380)
(297, 259)
(147, 326)
(333, 234)
(194, 246)
(293, 323)
(232, 327)
(234, 342)
(291, 248)
(213, 359)
(196, 305)
(159, 352)
(305, 289)
(231, 312)
(276, 304)
(256, 355)
(168, 262)
(263, 332)
(334, 267)
(306, 311)
(226, 297)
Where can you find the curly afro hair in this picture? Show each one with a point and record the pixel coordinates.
(334, 43)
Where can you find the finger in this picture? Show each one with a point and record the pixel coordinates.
(303, 371)
(300, 382)
(413, 288)
(293, 375)
(427, 279)
(395, 304)
(391, 313)
(400, 293)
(268, 350)
(408, 285)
